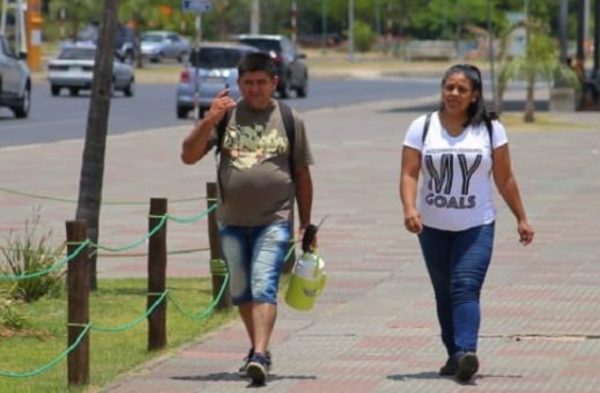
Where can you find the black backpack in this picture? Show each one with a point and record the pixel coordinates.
(290, 129)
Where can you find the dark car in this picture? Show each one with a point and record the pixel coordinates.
(291, 68)
(214, 68)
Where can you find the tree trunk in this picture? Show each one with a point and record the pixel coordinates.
(92, 166)
(530, 100)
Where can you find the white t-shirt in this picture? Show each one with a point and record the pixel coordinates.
(455, 188)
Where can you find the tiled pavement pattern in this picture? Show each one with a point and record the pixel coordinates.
(374, 328)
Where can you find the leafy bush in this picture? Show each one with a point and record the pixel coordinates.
(10, 317)
(29, 253)
(363, 36)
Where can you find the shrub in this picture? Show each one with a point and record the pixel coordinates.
(363, 36)
(29, 253)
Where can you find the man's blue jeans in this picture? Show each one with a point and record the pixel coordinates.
(255, 257)
(457, 262)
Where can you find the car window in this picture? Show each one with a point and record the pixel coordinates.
(77, 54)
(217, 57)
(262, 44)
(152, 38)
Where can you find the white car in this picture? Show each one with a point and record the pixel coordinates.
(15, 81)
(158, 45)
(73, 69)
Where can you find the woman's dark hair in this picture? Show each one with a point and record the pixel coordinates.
(257, 61)
(477, 111)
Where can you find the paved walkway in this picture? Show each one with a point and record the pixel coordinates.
(374, 328)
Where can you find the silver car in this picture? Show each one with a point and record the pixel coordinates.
(15, 81)
(73, 69)
(217, 69)
(158, 45)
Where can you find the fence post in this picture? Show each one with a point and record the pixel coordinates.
(217, 265)
(78, 285)
(157, 272)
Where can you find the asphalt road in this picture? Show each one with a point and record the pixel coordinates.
(153, 106)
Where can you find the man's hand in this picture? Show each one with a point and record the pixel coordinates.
(220, 105)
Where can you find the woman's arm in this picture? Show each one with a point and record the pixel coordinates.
(409, 178)
(508, 188)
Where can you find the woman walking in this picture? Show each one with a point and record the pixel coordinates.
(454, 152)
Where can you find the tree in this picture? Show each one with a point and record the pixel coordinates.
(540, 61)
(77, 12)
(92, 166)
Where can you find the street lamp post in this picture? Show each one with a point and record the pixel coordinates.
(351, 30)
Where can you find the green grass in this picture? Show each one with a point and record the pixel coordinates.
(116, 302)
(513, 121)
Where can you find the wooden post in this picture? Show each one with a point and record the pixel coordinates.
(215, 250)
(78, 285)
(157, 275)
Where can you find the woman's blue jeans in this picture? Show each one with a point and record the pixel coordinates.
(457, 262)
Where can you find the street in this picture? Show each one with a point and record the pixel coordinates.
(153, 106)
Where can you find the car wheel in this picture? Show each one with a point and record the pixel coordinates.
(182, 56)
(73, 91)
(130, 89)
(284, 89)
(54, 90)
(182, 112)
(302, 90)
(22, 109)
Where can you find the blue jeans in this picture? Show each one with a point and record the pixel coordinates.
(457, 262)
(254, 257)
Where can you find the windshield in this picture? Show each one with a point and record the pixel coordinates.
(77, 54)
(262, 44)
(152, 38)
(217, 57)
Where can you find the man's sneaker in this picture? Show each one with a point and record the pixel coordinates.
(468, 364)
(258, 369)
(242, 369)
(450, 367)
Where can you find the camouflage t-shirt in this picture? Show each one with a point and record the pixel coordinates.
(254, 167)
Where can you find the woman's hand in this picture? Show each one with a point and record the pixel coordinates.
(525, 232)
(412, 221)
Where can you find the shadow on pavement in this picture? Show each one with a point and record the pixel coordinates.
(421, 375)
(227, 376)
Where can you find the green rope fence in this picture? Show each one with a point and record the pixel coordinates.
(109, 202)
(121, 328)
(58, 265)
(52, 363)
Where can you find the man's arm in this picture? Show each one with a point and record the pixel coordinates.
(195, 145)
(304, 195)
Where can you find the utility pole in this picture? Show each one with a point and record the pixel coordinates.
(294, 21)
(323, 25)
(351, 30)
(562, 30)
(491, 53)
(255, 17)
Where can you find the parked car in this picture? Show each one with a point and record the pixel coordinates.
(74, 69)
(158, 45)
(124, 40)
(291, 69)
(15, 81)
(214, 67)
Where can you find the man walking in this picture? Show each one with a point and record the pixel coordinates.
(263, 167)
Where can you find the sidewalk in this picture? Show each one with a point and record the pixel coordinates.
(374, 329)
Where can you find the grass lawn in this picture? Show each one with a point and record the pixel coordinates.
(116, 302)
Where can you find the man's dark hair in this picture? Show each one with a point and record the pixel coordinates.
(257, 61)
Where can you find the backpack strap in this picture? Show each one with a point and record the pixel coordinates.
(221, 126)
(426, 126)
(290, 129)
